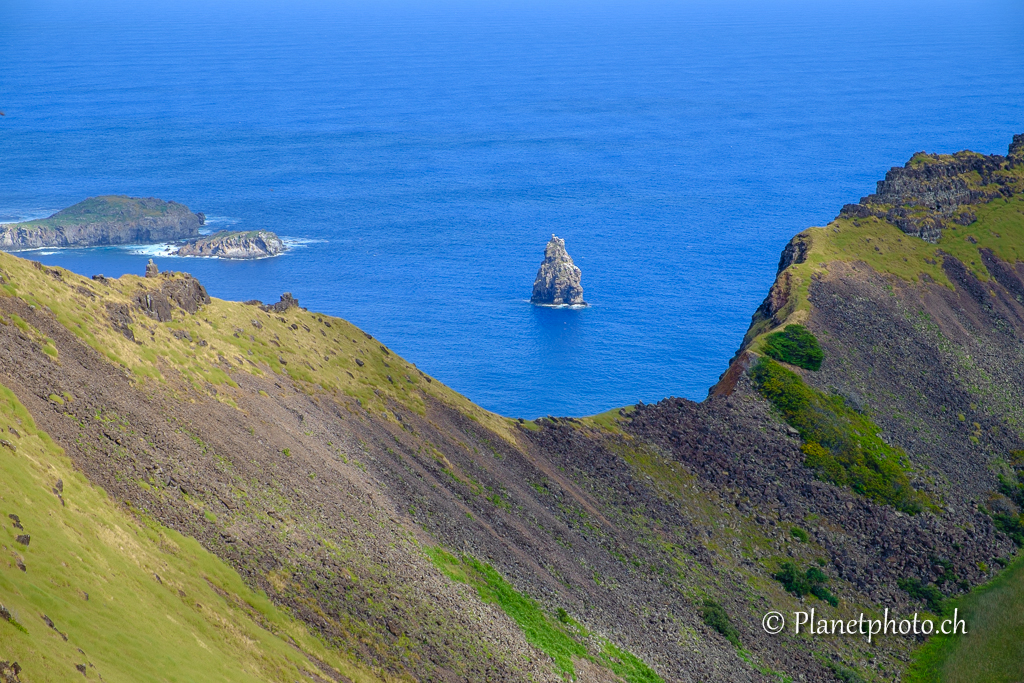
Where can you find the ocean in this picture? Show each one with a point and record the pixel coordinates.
(418, 156)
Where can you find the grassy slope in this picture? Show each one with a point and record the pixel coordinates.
(884, 247)
(998, 227)
(993, 649)
(235, 342)
(92, 569)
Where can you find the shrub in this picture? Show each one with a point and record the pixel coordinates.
(845, 673)
(841, 444)
(926, 592)
(825, 595)
(1011, 525)
(1013, 486)
(799, 534)
(795, 345)
(715, 616)
(800, 583)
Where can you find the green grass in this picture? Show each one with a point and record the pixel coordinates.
(993, 649)
(794, 345)
(548, 635)
(1010, 524)
(843, 673)
(609, 420)
(559, 637)
(841, 444)
(141, 601)
(627, 665)
(103, 209)
(927, 593)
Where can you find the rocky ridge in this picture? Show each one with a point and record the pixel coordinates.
(253, 244)
(106, 220)
(933, 190)
(558, 279)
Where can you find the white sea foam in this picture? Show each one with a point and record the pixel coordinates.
(162, 250)
(300, 242)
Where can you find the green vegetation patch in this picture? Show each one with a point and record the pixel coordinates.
(561, 637)
(841, 444)
(812, 581)
(715, 616)
(550, 636)
(1012, 485)
(843, 673)
(1011, 525)
(610, 420)
(795, 345)
(927, 593)
(627, 665)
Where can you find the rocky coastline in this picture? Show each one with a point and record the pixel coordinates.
(254, 244)
(106, 220)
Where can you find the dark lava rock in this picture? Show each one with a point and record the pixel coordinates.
(287, 301)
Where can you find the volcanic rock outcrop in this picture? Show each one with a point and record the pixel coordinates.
(255, 244)
(558, 280)
(933, 190)
(112, 219)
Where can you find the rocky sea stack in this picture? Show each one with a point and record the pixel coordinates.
(254, 244)
(111, 219)
(558, 280)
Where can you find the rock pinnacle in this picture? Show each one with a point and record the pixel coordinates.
(558, 280)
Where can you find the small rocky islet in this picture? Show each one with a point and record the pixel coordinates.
(558, 279)
(253, 244)
(106, 220)
(119, 219)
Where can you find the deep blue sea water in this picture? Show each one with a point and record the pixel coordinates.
(420, 155)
